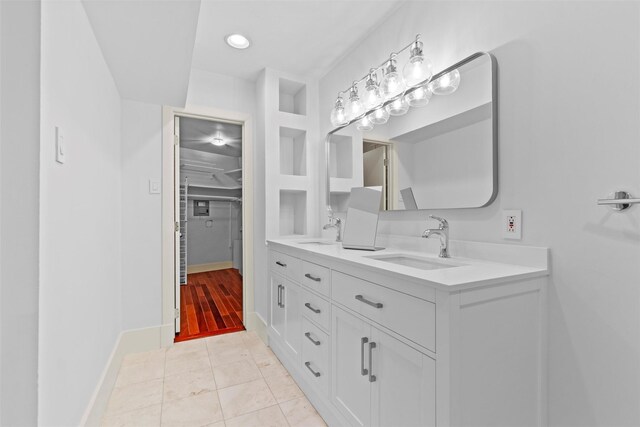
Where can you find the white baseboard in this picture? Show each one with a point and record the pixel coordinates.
(255, 322)
(212, 266)
(130, 341)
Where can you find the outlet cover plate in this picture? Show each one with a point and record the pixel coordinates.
(512, 224)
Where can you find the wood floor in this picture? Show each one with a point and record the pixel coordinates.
(210, 304)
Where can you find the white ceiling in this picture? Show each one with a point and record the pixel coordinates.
(300, 37)
(148, 46)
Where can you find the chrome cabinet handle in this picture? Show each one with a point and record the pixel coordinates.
(281, 264)
(366, 301)
(315, 310)
(280, 296)
(363, 370)
(308, 335)
(372, 377)
(308, 365)
(314, 278)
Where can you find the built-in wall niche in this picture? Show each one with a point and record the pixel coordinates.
(341, 156)
(293, 212)
(339, 201)
(292, 97)
(293, 151)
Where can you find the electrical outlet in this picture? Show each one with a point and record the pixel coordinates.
(512, 224)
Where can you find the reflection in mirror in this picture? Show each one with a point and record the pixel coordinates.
(440, 156)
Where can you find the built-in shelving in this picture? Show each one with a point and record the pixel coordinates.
(293, 212)
(292, 97)
(288, 119)
(293, 153)
(341, 156)
(184, 188)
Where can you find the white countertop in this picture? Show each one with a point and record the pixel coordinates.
(468, 273)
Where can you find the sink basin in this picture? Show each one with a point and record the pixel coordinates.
(414, 261)
(316, 242)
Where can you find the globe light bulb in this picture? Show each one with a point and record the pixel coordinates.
(446, 84)
(338, 115)
(398, 107)
(392, 83)
(379, 116)
(418, 69)
(354, 107)
(364, 124)
(419, 97)
(372, 96)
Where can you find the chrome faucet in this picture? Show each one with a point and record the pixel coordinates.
(337, 224)
(443, 232)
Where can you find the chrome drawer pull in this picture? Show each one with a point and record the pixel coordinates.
(366, 301)
(315, 310)
(281, 264)
(308, 335)
(363, 370)
(372, 377)
(308, 365)
(315, 279)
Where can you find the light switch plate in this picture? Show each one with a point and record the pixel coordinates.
(154, 187)
(60, 146)
(512, 224)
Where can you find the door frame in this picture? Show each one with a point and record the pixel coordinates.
(391, 179)
(169, 219)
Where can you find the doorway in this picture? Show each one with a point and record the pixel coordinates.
(207, 223)
(375, 166)
(209, 249)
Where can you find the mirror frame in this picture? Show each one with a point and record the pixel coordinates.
(494, 114)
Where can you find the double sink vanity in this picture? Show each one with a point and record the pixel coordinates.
(423, 333)
(405, 338)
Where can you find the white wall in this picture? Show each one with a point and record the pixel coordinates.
(141, 219)
(210, 244)
(19, 210)
(80, 226)
(568, 134)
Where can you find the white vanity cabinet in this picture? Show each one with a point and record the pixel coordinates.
(378, 380)
(371, 346)
(286, 321)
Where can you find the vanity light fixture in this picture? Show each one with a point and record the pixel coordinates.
(354, 107)
(396, 93)
(446, 84)
(338, 115)
(237, 41)
(372, 95)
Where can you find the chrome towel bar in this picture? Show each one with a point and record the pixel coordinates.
(619, 201)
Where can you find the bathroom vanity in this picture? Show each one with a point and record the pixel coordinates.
(404, 338)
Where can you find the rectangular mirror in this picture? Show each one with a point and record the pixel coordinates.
(439, 156)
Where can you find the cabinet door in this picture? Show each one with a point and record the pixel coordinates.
(292, 300)
(350, 387)
(403, 393)
(276, 311)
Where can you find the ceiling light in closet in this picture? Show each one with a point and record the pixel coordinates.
(237, 41)
(217, 140)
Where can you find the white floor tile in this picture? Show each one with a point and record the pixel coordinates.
(244, 398)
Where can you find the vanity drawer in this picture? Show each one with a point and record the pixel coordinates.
(285, 265)
(315, 356)
(411, 317)
(316, 277)
(316, 309)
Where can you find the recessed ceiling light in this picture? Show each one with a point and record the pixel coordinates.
(237, 41)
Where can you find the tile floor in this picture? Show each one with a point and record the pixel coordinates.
(227, 380)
